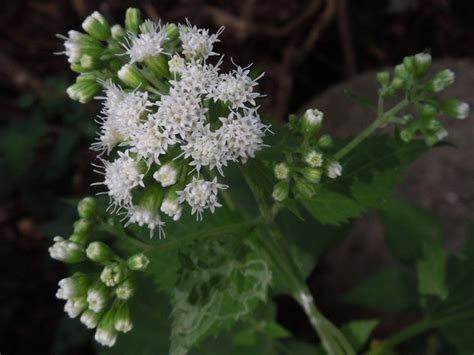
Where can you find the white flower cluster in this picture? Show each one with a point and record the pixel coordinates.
(169, 137)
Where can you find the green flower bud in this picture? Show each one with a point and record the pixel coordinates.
(314, 159)
(99, 252)
(281, 191)
(312, 120)
(83, 90)
(454, 108)
(409, 64)
(97, 297)
(117, 32)
(325, 141)
(97, 26)
(90, 318)
(125, 290)
(281, 171)
(433, 138)
(334, 170)
(87, 207)
(441, 81)
(131, 76)
(67, 251)
(73, 286)
(304, 188)
(82, 227)
(138, 262)
(77, 68)
(408, 134)
(400, 72)
(89, 62)
(133, 19)
(75, 305)
(113, 274)
(158, 66)
(397, 83)
(172, 33)
(428, 112)
(432, 125)
(383, 78)
(122, 321)
(313, 175)
(422, 64)
(91, 46)
(106, 334)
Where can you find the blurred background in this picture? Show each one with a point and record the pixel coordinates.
(305, 48)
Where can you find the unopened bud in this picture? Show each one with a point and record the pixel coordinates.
(67, 251)
(441, 81)
(313, 175)
(334, 170)
(454, 108)
(138, 262)
(133, 19)
(122, 320)
(97, 297)
(422, 63)
(281, 191)
(87, 207)
(99, 252)
(131, 76)
(314, 159)
(90, 318)
(312, 120)
(117, 32)
(97, 26)
(113, 274)
(383, 78)
(125, 290)
(305, 188)
(325, 141)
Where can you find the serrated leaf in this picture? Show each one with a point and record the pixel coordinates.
(431, 271)
(217, 292)
(407, 227)
(330, 207)
(390, 290)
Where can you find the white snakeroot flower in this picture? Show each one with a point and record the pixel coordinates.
(198, 78)
(176, 64)
(243, 134)
(172, 208)
(125, 290)
(147, 44)
(72, 287)
(205, 149)
(144, 216)
(282, 171)
(106, 336)
(179, 113)
(109, 137)
(166, 175)
(236, 88)
(314, 159)
(334, 170)
(74, 306)
(201, 195)
(197, 43)
(121, 176)
(149, 142)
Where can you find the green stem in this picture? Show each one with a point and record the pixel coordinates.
(382, 119)
(279, 251)
(415, 330)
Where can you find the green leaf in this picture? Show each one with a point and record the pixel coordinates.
(407, 228)
(431, 271)
(275, 330)
(220, 286)
(391, 290)
(358, 332)
(330, 207)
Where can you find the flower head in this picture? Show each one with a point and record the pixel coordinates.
(146, 44)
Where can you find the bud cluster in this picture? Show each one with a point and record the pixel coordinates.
(306, 164)
(171, 120)
(100, 298)
(409, 78)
